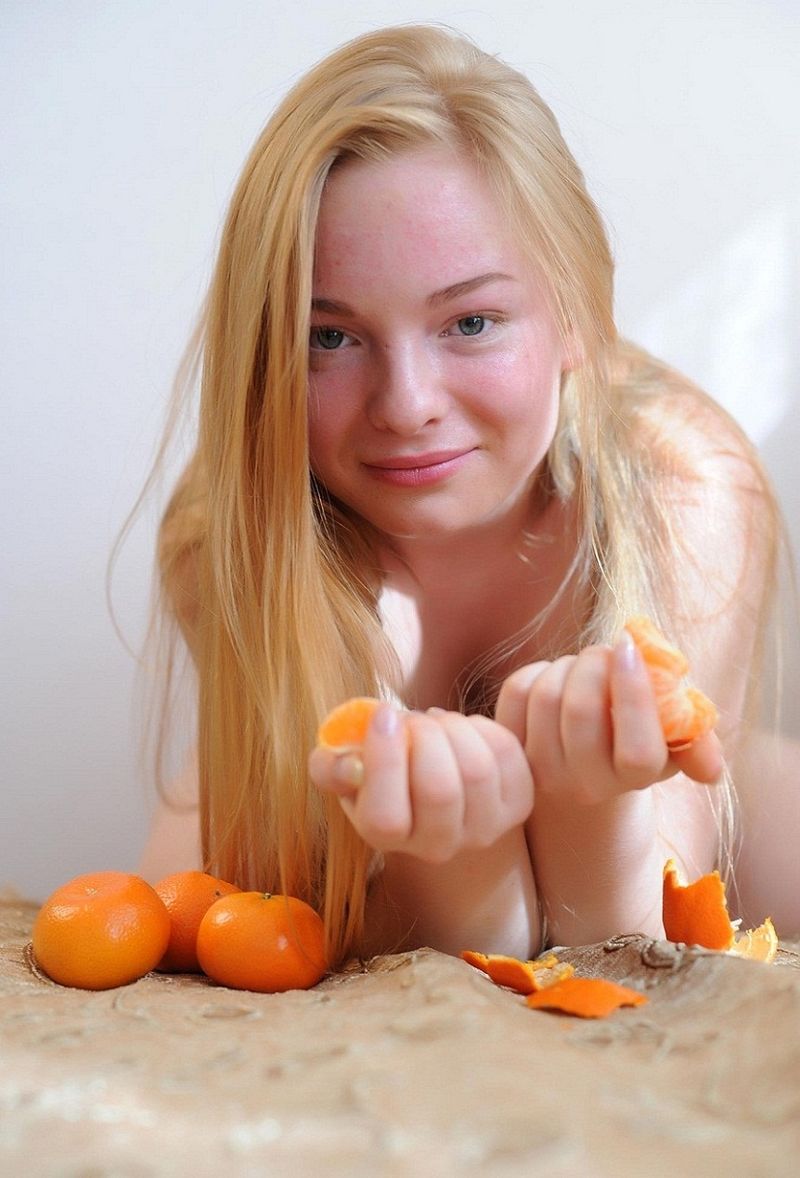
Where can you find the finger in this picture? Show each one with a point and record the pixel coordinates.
(381, 809)
(336, 773)
(436, 791)
(515, 778)
(543, 744)
(480, 777)
(586, 730)
(702, 760)
(511, 709)
(640, 754)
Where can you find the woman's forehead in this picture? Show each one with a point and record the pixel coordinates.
(429, 208)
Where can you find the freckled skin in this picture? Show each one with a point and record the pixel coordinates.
(474, 375)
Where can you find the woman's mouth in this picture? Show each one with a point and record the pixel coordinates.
(417, 470)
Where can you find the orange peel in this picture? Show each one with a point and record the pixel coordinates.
(758, 944)
(697, 914)
(585, 997)
(526, 977)
(685, 712)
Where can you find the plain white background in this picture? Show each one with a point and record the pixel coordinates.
(125, 124)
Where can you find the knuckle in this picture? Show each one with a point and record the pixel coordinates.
(439, 793)
(635, 767)
(546, 693)
(385, 832)
(516, 685)
(481, 772)
(436, 853)
(580, 711)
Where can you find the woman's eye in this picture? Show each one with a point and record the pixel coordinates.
(471, 324)
(327, 338)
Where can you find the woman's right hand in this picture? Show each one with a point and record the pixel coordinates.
(430, 784)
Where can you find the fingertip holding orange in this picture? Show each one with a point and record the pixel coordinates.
(100, 930)
(262, 942)
(345, 727)
(685, 712)
(187, 896)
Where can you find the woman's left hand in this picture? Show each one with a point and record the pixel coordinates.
(590, 728)
(430, 784)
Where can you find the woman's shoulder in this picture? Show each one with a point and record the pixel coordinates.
(679, 428)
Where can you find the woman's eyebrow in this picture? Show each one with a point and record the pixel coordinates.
(445, 295)
(331, 307)
(461, 288)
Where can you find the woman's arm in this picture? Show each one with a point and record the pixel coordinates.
(590, 727)
(612, 805)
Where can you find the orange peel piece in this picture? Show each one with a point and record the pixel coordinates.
(696, 913)
(525, 977)
(345, 727)
(585, 997)
(685, 712)
(758, 944)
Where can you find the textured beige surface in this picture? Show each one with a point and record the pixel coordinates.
(415, 1065)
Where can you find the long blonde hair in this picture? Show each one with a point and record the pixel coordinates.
(283, 621)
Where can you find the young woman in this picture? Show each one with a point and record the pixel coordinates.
(428, 470)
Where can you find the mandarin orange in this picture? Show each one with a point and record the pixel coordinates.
(188, 895)
(259, 941)
(101, 930)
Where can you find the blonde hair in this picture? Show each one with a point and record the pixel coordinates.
(282, 618)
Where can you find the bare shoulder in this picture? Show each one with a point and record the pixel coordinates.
(713, 489)
(718, 519)
(687, 435)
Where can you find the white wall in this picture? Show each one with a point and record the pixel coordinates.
(124, 126)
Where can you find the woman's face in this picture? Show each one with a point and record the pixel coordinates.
(435, 358)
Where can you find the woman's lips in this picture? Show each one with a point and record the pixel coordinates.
(417, 470)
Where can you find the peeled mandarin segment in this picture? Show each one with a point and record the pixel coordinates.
(654, 648)
(585, 997)
(759, 944)
(685, 713)
(696, 913)
(345, 728)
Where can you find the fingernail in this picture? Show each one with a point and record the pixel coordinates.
(437, 711)
(627, 655)
(386, 721)
(349, 770)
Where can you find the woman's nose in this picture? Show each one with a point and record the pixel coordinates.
(407, 391)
